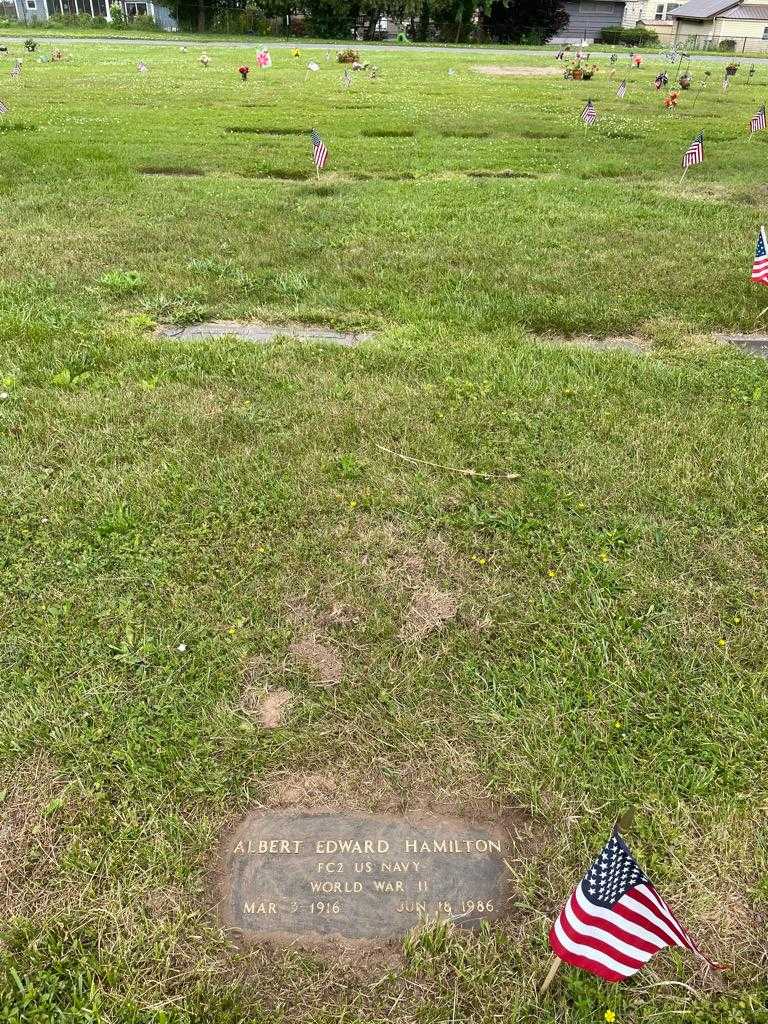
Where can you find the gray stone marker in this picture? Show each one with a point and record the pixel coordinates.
(254, 331)
(308, 878)
(752, 344)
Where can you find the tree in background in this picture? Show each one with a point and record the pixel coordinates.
(514, 21)
(451, 21)
(330, 19)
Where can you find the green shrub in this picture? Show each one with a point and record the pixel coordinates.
(728, 45)
(118, 18)
(75, 21)
(144, 23)
(532, 38)
(616, 36)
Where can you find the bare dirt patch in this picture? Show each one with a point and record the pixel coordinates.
(268, 707)
(429, 610)
(508, 71)
(317, 657)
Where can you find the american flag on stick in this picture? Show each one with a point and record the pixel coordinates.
(615, 920)
(319, 152)
(757, 124)
(622, 89)
(695, 153)
(760, 262)
(3, 108)
(589, 114)
(16, 69)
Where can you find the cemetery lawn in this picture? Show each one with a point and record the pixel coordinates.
(188, 527)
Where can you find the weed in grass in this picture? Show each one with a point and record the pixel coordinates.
(122, 282)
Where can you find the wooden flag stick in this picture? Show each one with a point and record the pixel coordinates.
(761, 314)
(684, 173)
(555, 966)
(317, 170)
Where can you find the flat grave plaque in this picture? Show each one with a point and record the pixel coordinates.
(290, 876)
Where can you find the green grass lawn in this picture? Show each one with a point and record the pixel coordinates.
(188, 525)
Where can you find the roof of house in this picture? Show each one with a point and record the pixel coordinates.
(703, 10)
(750, 12)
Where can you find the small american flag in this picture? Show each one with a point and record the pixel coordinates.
(760, 262)
(319, 152)
(622, 89)
(589, 114)
(16, 69)
(615, 920)
(347, 79)
(695, 152)
(757, 124)
(3, 108)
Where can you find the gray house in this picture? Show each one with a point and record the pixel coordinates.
(30, 11)
(587, 17)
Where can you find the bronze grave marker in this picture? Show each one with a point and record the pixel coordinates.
(298, 875)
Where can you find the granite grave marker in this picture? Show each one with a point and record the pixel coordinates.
(305, 876)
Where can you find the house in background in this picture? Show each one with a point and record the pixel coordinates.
(710, 23)
(587, 17)
(30, 11)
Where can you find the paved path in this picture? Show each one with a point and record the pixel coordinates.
(463, 51)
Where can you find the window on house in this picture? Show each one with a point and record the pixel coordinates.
(660, 12)
(765, 32)
(31, 5)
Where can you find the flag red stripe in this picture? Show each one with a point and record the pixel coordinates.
(613, 929)
(641, 920)
(598, 945)
(684, 936)
(577, 960)
(666, 920)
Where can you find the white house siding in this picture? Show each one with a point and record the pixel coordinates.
(165, 19)
(28, 14)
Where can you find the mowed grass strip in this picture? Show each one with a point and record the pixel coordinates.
(186, 526)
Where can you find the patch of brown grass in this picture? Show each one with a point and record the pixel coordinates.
(318, 658)
(429, 610)
(507, 71)
(268, 707)
(32, 837)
